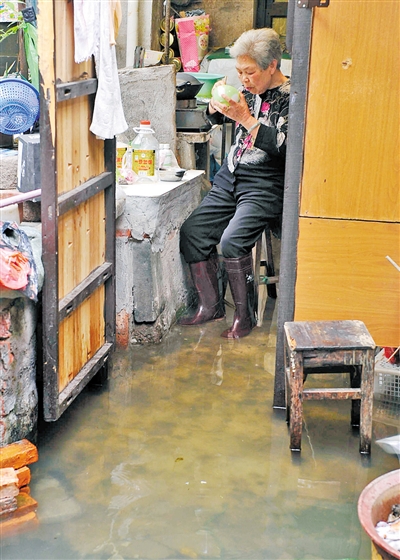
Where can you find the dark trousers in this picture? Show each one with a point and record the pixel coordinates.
(234, 219)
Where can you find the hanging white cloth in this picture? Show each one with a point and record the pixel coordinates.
(86, 28)
(93, 31)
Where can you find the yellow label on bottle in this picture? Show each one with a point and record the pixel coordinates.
(120, 156)
(143, 162)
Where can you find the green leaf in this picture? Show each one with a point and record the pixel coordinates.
(30, 42)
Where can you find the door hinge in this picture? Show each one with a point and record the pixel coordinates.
(313, 3)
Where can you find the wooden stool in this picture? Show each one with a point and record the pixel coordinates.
(329, 346)
(263, 257)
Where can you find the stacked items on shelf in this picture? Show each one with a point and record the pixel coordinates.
(17, 507)
(173, 51)
(187, 39)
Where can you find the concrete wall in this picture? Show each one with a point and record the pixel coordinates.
(228, 19)
(137, 28)
(141, 23)
(149, 93)
(18, 393)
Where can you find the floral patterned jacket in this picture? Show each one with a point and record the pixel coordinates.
(265, 157)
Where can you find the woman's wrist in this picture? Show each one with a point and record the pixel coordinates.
(253, 127)
(249, 121)
(211, 106)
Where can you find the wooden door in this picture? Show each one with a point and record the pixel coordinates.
(351, 152)
(78, 217)
(343, 273)
(350, 182)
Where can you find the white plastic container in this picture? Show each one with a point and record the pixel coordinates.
(145, 154)
(167, 157)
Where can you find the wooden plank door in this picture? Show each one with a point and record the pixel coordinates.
(350, 198)
(78, 217)
(351, 151)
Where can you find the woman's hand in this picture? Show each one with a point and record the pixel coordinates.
(211, 107)
(238, 111)
(219, 83)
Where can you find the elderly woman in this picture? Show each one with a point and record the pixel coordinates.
(247, 191)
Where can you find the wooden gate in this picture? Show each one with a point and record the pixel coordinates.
(78, 217)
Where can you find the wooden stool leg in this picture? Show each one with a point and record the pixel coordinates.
(256, 264)
(287, 384)
(271, 288)
(367, 388)
(355, 383)
(296, 400)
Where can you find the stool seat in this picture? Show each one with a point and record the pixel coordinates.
(329, 335)
(329, 346)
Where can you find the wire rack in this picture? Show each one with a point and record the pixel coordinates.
(386, 381)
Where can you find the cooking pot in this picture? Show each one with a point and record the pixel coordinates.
(187, 86)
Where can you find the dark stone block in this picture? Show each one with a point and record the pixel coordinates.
(29, 168)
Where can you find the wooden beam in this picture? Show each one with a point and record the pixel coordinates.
(84, 289)
(82, 379)
(70, 90)
(73, 198)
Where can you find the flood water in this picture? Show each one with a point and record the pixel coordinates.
(181, 455)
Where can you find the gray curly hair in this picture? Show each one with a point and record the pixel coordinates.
(262, 45)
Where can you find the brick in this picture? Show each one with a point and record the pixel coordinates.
(8, 484)
(18, 454)
(25, 504)
(24, 476)
(5, 324)
(122, 329)
(8, 476)
(123, 233)
(6, 355)
(15, 525)
(8, 506)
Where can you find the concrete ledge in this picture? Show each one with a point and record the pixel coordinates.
(151, 277)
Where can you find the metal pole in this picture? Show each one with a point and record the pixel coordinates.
(300, 49)
(167, 4)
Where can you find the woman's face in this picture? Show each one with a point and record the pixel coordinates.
(254, 79)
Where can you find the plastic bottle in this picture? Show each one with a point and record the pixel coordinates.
(167, 157)
(145, 154)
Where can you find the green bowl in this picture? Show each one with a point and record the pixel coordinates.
(230, 92)
(208, 80)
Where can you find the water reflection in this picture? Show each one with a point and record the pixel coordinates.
(182, 456)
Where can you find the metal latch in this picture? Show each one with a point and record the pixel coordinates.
(313, 3)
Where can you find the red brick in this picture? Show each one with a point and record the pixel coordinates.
(18, 454)
(5, 324)
(122, 329)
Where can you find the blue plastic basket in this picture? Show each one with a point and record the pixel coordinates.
(19, 105)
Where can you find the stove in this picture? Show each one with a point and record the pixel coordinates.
(191, 116)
